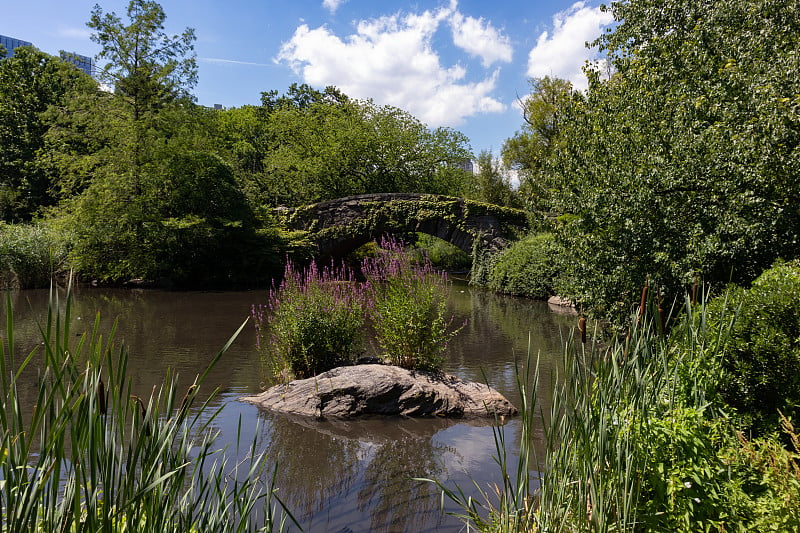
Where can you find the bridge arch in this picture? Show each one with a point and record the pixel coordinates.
(337, 227)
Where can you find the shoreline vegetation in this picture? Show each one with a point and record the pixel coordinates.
(97, 455)
(642, 435)
(675, 170)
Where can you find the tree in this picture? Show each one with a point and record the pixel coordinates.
(31, 82)
(159, 204)
(529, 150)
(318, 145)
(490, 185)
(684, 162)
(146, 67)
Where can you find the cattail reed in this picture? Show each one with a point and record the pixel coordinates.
(61, 470)
(101, 397)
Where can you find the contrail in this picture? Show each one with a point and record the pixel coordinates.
(234, 62)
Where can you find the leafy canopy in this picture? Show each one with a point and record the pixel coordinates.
(684, 162)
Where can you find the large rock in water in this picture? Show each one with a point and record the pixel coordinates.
(351, 391)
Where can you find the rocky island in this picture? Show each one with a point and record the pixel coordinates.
(376, 389)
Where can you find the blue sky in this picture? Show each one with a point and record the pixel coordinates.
(461, 64)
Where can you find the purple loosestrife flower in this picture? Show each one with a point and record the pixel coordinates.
(315, 320)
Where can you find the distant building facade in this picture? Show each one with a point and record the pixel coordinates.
(9, 43)
(82, 62)
(467, 165)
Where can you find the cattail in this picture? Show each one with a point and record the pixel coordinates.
(582, 328)
(694, 290)
(101, 397)
(143, 412)
(187, 398)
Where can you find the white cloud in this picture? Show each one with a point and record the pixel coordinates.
(75, 33)
(391, 60)
(480, 39)
(563, 52)
(332, 5)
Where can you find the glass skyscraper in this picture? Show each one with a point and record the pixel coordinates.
(9, 43)
(82, 62)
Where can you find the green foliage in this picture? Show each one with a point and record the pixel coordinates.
(635, 440)
(31, 255)
(769, 474)
(408, 308)
(442, 254)
(90, 454)
(313, 322)
(489, 184)
(145, 66)
(682, 162)
(761, 365)
(529, 150)
(528, 267)
(30, 82)
(308, 146)
(184, 222)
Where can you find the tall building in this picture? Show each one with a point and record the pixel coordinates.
(467, 165)
(82, 62)
(9, 43)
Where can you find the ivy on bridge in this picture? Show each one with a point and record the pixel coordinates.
(335, 228)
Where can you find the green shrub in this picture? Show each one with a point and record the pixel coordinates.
(761, 363)
(526, 268)
(30, 255)
(442, 254)
(408, 308)
(313, 322)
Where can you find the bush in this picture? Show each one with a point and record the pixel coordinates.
(30, 255)
(526, 268)
(442, 254)
(408, 308)
(761, 363)
(313, 322)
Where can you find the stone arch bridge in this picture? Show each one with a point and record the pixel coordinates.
(337, 227)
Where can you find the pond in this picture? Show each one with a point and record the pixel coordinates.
(353, 476)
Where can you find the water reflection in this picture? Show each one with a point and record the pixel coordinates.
(334, 475)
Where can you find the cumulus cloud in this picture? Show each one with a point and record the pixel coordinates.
(391, 59)
(562, 52)
(481, 39)
(332, 5)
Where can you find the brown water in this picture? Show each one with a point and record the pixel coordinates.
(335, 476)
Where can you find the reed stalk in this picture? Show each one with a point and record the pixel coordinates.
(88, 454)
(612, 402)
